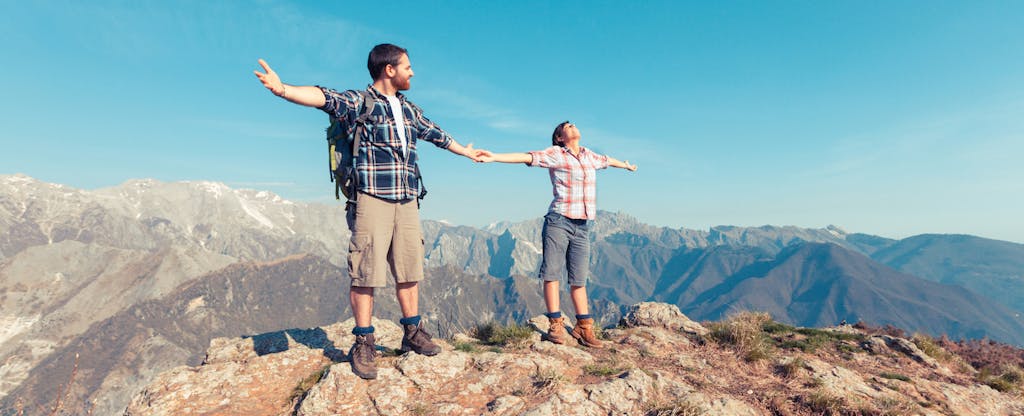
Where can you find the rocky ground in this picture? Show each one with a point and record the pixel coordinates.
(656, 362)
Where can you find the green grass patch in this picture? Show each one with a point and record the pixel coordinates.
(809, 344)
(773, 327)
(847, 348)
(832, 335)
(895, 376)
(467, 347)
(308, 383)
(601, 370)
(493, 333)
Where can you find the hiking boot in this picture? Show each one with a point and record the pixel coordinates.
(556, 330)
(418, 339)
(361, 356)
(584, 333)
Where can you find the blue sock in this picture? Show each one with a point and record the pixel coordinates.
(587, 316)
(362, 330)
(554, 315)
(412, 320)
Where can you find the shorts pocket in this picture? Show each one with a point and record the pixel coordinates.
(360, 257)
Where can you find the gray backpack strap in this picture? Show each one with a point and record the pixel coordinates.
(362, 123)
(362, 120)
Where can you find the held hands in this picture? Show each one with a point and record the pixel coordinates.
(478, 155)
(483, 156)
(270, 79)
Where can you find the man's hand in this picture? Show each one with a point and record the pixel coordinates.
(270, 79)
(484, 156)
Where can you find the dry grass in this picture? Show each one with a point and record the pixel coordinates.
(1004, 378)
(744, 331)
(792, 368)
(547, 381)
(931, 348)
(889, 406)
(307, 383)
(678, 408)
(984, 353)
(825, 403)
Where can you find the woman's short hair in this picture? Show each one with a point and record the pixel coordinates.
(381, 56)
(558, 133)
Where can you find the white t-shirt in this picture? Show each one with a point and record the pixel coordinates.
(396, 109)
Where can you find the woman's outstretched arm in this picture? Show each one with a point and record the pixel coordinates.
(505, 157)
(616, 163)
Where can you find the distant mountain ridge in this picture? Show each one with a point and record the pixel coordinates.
(72, 262)
(989, 267)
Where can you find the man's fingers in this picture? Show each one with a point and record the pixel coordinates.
(265, 66)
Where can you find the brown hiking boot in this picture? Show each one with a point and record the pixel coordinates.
(584, 333)
(556, 330)
(361, 355)
(418, 339)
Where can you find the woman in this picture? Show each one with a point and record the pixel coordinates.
(572, 169)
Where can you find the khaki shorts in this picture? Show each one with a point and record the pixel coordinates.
(385, 235)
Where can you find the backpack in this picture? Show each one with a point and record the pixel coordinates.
(343, 151)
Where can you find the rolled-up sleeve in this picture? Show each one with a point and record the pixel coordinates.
(600, 161)
(341, 105)
(544, 158)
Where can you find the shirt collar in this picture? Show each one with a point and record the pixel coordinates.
(373, 90)
(566, 150)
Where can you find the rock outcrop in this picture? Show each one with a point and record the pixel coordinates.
(656, 362)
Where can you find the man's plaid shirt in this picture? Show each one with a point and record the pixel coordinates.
(573, 179)
(384, 171)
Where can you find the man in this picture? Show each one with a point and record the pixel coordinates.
(386, 227)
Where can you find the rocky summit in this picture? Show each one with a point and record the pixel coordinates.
(656, 362)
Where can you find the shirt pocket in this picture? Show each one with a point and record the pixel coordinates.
(380, 128)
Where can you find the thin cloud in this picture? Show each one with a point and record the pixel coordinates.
(258, 130)
(894, 147)
(260, 185)
(463, 106)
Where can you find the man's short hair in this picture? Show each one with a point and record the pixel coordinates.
(383, 55)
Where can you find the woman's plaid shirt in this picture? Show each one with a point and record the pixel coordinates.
(573, 179)
(384, 171)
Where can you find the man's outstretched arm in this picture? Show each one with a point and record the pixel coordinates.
(308, 96)
(467, 151)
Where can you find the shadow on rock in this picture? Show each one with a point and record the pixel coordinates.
(315, 338)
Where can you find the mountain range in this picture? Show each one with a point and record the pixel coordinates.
(139, 277)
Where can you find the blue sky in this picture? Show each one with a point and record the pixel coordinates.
(890, 118)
